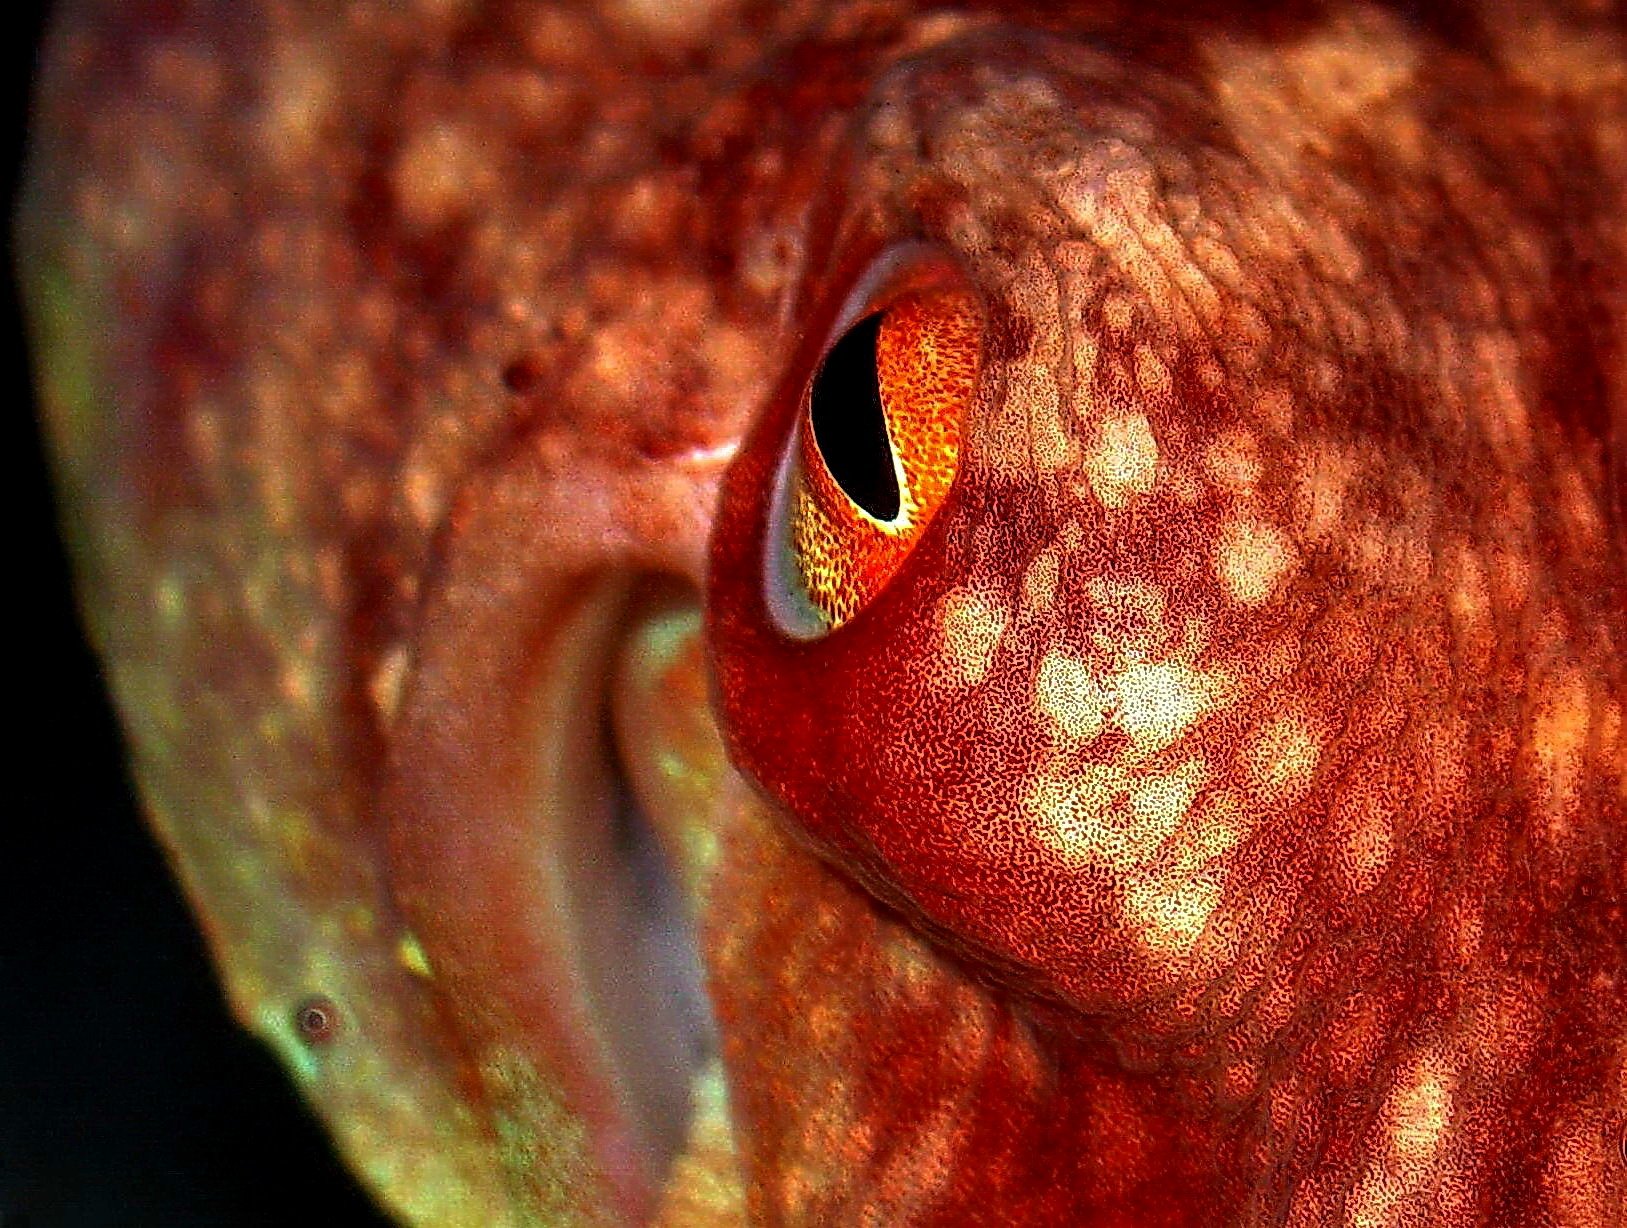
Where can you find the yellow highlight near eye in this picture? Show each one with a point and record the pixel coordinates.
(927, 358)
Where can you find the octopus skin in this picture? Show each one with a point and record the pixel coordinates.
(1199, 796)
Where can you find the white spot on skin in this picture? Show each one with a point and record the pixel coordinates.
(1252, 558)
(1168, 914)
(1124, 460)
(1033, 386)
(681, 23)
(440, 171)
(971, 622)
(1158, 703)
(1040, 580)
(1088, 817)
(1073, 699)
(1284, 757)
(1152, 376)
(1320, 497)
(1232, 462)
(1559, 737)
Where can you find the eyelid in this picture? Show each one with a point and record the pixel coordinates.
(898, 271)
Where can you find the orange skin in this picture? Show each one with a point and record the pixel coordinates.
(1213, 813)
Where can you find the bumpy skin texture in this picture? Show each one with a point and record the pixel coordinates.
(1217, 819)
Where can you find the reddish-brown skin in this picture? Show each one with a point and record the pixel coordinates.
(1219, 818)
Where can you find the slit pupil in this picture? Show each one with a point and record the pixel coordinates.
(849, 425)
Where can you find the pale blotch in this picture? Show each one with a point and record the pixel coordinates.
(1161, 800)
(1232, 461)
(1559, 734)
(384, 687)
(422, 490)
(1251, 559)
(679, 23)
(1510, 573)
(1167, 914)
(1033, 386)
(1501, 400)
(1091, 817)
(971, 622)
(1319, 497)
(1071, 696)
(409, 954)
(1469, 599)
(1283, 757)
(1279, 100)
(1413, 1122)
(299, 102)
(1041, 578)
(1218, 825)
(441, 169)
(1361, 827)
(1157, 703)
(1368, 847)
(1123, 461)
(1244, 333)
(1577, 1181)
(1152, 376)
(1117, 313)
(1417, 1113)
(1219, 264)
(1275, 408)
(1579, 507)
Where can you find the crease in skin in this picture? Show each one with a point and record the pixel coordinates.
(1215, 817)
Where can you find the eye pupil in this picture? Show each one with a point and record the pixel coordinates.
(849, 424)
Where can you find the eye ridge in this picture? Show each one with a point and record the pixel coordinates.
(850, 424)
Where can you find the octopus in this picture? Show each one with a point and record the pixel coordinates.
(856, 612)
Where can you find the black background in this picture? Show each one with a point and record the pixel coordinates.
(128, 1098)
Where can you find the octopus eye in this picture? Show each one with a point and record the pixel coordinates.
(873, 454)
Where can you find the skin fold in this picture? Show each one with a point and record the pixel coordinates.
(1210, 811)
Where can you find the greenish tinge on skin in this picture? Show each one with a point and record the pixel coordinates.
(67, 384)
(65, 313)
(538, 1136)
(697, 772)
(412, 1152)
(285, 907)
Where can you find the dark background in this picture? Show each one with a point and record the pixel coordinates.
(128, 1099)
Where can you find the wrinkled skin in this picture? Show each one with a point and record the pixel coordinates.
(1216, 819)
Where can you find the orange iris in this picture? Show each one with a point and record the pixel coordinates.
(848, 542)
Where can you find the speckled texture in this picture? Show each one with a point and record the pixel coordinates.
(1237, 756)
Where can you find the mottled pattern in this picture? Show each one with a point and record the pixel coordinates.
(1217, 817)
